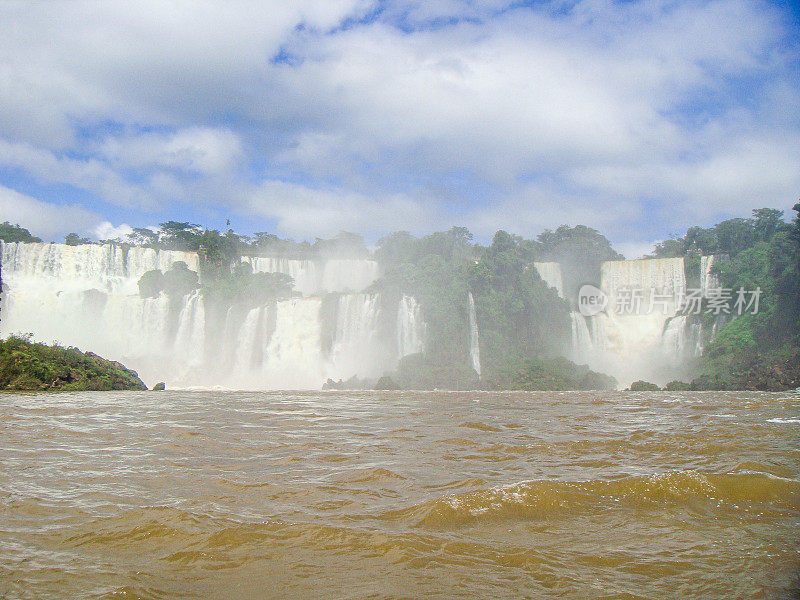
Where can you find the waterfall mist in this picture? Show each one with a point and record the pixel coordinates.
(88, 296)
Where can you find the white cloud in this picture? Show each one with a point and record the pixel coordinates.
(90, 174)
(195, 149)
(304, 211)
(107, 231)
(610, 108)
(45, 220)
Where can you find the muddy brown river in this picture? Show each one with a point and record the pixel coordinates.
(298, 495)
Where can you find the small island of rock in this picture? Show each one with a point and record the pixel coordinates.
(29, 365)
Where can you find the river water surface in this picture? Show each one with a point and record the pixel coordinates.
(240, 495)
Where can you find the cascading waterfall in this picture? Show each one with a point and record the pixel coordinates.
(641, 334)
(303, 272)
(474, 341)
(357, 347)
(107, 267)
(582, 344)
(190, 338)
(319, 276)
(293, 354)
(88, 296)
(410, 327)
(344, 274)
(708, 280)
(551, 273)
(682, 338)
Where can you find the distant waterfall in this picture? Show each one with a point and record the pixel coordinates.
(642, 333)
(682, 338)
(190, 338)
(582, 345)
(88, 296)
(410, 327)
(303, 272)
(551, 273)
(107, 267)
(708, 280)
(342, 275)
(474, 342)
(319, 276)
(287, 351)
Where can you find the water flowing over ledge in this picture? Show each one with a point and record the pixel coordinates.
(87, 296)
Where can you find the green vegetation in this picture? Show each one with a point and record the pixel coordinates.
(73, 239)
(27, 365)
(551, 374)
(176, 282)
(643, 386)
(524, 325)
(15, 233)
(758, 351)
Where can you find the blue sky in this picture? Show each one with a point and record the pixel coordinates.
(306, 118)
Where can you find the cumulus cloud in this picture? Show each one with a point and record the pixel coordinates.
(194, 150)
(304, 211)
(90, 174)
(43, 219)
(107, 231)
(323, 115)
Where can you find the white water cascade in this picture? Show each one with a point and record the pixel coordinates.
(582, 344)
(641, 334)
(474, 341)
(319, 276)
(410, 327)
(708, 280)
(551, 273)
(292, 344)
(87, 296)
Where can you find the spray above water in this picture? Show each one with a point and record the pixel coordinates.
(88, 296)
(332, 328)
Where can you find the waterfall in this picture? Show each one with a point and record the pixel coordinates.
(474, 342)
(248, 337)
(293, 357)
(88, 296)
(107, 267)
(341, 275)
(357, 348)
(708, 280)
(303, 272)
(683, 338)
(582, 345)
(551, 273)
(319, 276)
(190, 338)
(641, 334)
(410, 327)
